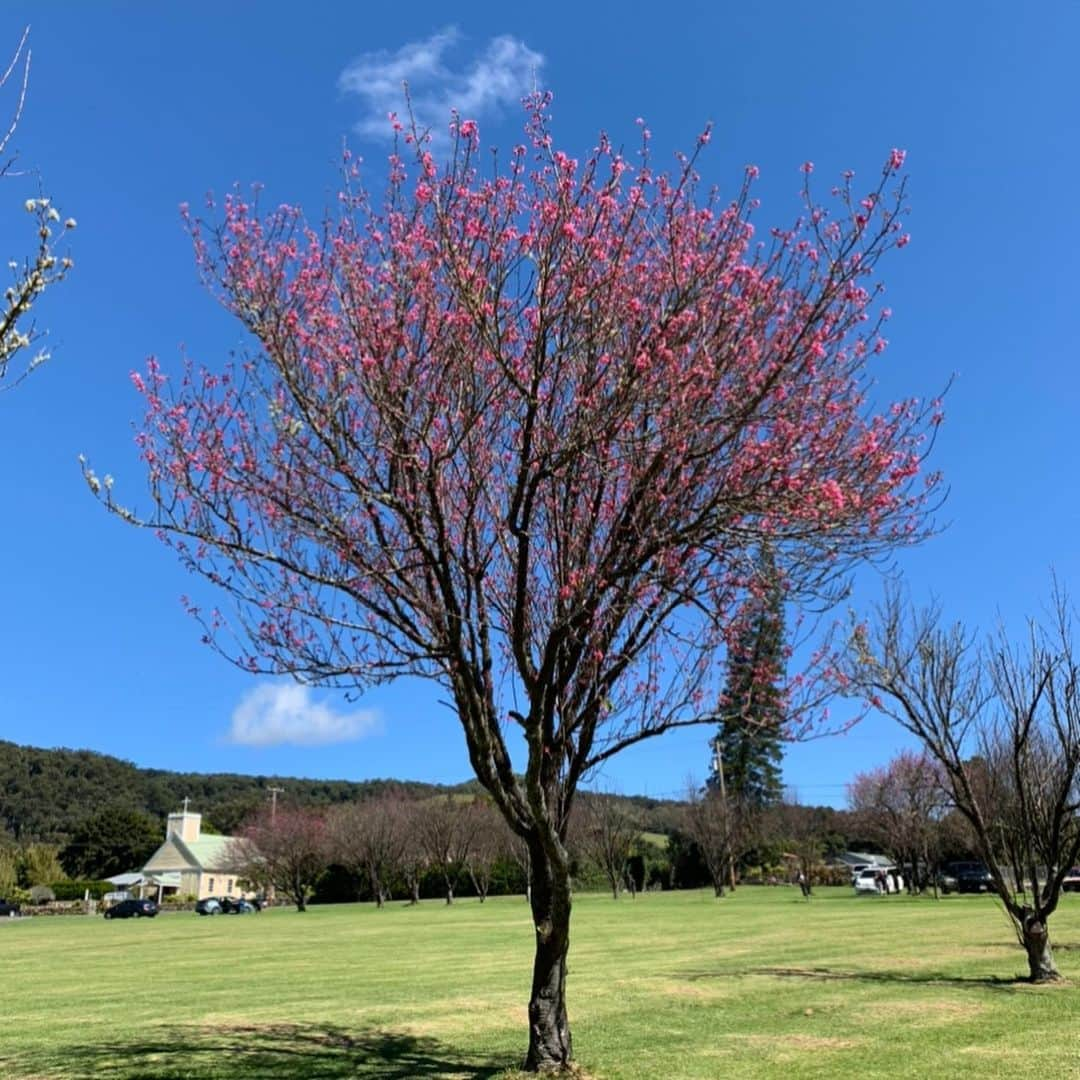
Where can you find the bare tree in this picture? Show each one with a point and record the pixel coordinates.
(518, 852)
(1003, 723)
(32, 275)
(412, 859)
(801, 832)
(368, 837)
(444, 829)
(719, 825)
(489, 842)
(288, 850)
(605, 831)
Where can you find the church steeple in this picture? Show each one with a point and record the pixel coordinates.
(185, 824)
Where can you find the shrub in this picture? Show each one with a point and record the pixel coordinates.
(75, 890)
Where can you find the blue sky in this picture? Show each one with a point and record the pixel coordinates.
(136, 108)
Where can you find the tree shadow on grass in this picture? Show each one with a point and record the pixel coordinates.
(273, 1052)
(988, 982)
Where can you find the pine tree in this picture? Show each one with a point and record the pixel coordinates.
(747, 745)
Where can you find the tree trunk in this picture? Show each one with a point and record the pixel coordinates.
(1037, 945)
(449, 892)
(414, 890)
(377, 890)
(549, 1029)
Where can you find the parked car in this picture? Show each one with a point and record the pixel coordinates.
(879, 880)
(9, 908)
(1071, 881)
(132, 909)
(965, 877)
(857, 869)
(225, 905)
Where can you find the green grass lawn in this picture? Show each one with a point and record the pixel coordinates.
(670, 985)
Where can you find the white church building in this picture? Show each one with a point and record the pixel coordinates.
(199, 865)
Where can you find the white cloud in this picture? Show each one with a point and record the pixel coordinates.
(273, 714)
(501, 74)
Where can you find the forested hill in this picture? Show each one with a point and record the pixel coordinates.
(45, 794)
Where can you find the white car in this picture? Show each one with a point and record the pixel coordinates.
(878, 880)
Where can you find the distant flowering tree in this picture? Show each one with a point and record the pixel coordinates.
(522, 431)
(286, 849)
(30, 276)
(901, 806)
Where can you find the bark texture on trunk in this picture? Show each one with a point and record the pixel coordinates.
(1041, 964)
(549, 1029)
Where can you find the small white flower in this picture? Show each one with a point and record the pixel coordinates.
(70, 223)
(54, 214)
(30, 205)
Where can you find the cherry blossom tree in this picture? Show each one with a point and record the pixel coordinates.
(521, 430)
(33, 274)
(287, 849)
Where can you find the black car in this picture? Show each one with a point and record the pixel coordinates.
(9, 907)
(132, 909)
(966, 877)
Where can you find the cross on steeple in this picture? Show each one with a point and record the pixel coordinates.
(186, 801)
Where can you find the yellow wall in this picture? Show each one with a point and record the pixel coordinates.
(217, 882)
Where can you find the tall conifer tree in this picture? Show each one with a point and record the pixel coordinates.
(747, 745)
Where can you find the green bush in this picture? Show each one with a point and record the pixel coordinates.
(75, 890)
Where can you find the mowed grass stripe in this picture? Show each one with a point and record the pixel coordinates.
(760, 984)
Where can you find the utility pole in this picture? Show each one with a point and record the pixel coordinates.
(274, 792)
(718, 768)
